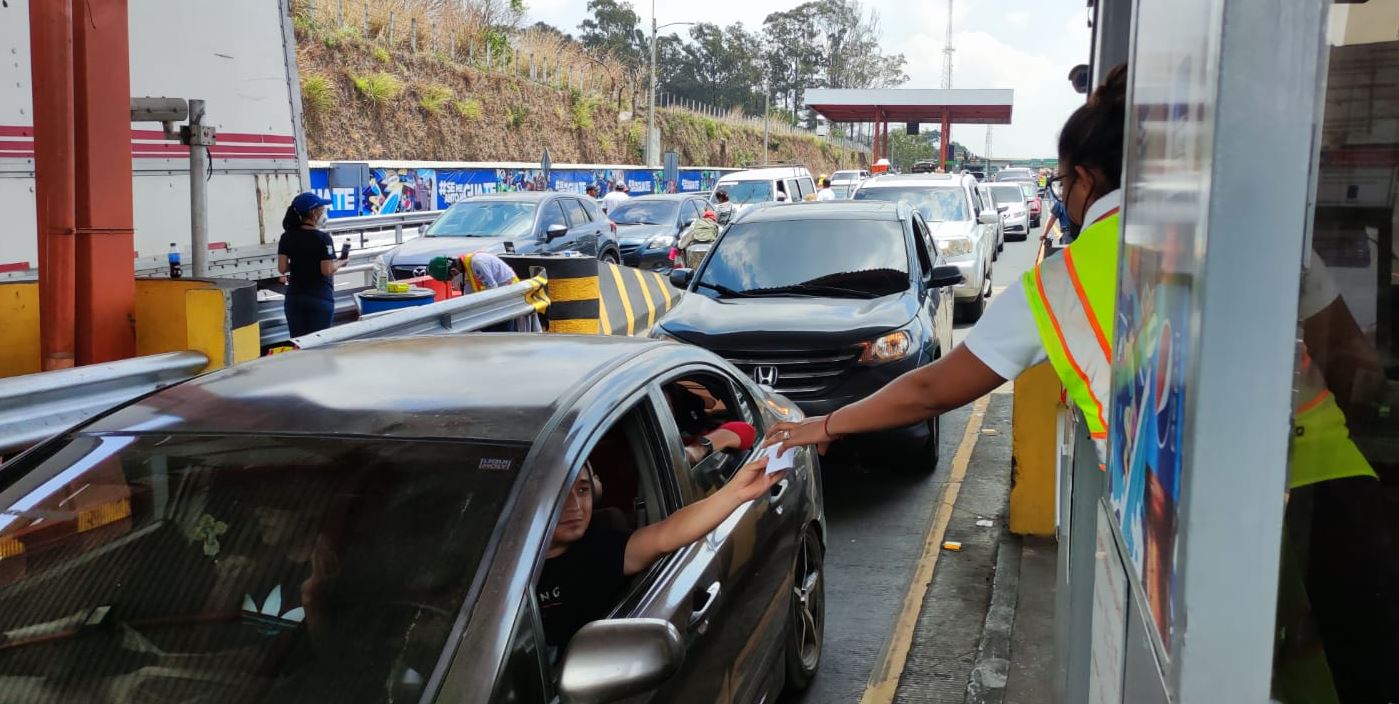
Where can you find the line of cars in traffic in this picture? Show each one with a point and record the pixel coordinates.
(369, 521)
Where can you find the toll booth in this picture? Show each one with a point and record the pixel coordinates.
(1239, 544)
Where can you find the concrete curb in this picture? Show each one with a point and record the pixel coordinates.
(988, 677)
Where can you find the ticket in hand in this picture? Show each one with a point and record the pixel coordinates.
(782, 462)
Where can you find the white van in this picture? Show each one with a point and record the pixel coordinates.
(777, 183)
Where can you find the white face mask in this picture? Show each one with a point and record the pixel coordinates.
(321, 221)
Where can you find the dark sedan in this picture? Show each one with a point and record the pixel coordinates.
(649, 226)
(825, 303)
(523, 222)
(369, 522)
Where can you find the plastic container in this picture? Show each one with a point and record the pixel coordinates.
(371, 302)
(176, 271)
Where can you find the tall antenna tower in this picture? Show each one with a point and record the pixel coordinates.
(947, 51)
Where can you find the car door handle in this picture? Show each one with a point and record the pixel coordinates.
(777, 490)
(703, 601)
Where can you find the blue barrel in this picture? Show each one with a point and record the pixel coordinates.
(380, 301)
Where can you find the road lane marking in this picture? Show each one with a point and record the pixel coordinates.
(884, 678)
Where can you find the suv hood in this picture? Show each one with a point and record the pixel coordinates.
(422, 249)
(952, 228)
(786, 322)
(640, 233)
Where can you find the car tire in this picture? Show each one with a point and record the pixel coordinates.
(971, 311)
(806, 616)
(609, 256)
(922, 460)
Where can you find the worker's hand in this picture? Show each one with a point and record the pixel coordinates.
(811, 431)
(752, 480)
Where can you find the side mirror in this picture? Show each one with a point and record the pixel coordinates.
(554, 232)
(1003, 208)
(986, 218)
(616, 659)
(945, 275)
(680, 278)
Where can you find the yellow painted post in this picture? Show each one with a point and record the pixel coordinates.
(1034, 451)
(216, 317)
(19, 328)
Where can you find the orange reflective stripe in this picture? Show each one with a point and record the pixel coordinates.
(1068, 353)
(1314, 402)
(1098, 436)
(1089, 313)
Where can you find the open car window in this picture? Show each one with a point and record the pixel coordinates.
(700, 402)
(246, 568)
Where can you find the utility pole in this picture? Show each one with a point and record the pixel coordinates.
(766, 110)
(988, 146)
(946, 50)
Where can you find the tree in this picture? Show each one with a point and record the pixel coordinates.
(614, 30)
(718, 66)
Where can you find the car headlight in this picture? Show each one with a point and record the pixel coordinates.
(955, 246)
(660, 242)
(887, 348)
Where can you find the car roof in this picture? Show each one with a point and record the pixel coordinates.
(930, 180)
(765, 173)
(827, 210)
(482, 386)
(668, 196)
(516, 196)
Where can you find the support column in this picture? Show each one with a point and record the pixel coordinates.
(945, 139)
(105, 251)
(51, 66)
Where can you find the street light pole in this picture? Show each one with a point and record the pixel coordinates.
(651, 114)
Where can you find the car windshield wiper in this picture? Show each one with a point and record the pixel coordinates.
(816, 290)
(723, 290)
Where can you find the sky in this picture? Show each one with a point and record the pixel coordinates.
(1025, 45)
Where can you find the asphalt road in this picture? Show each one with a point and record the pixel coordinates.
(878, 519)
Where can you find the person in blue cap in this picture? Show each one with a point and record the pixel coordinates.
(306, 256)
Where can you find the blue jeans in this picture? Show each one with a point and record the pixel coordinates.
(308, 314)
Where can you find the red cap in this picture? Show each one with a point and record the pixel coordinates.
(745, 432)
(709, 214)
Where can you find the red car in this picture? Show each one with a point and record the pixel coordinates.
(1032, 201)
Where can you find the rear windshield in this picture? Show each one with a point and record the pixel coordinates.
(823, 258)
(485, 218)
(1029, 190)
(935, 204)
(645, 212)
(243, 568)
(1007, 194)
(748, 191)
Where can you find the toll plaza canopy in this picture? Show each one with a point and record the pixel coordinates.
(990, 106)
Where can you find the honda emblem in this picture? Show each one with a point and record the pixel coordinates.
(767, 376)
(419, 271)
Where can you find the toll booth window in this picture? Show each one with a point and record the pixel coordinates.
(241, 568)
(1337, 629)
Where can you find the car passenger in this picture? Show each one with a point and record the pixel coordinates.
(702, 231)
(723, 209)
(588, 564)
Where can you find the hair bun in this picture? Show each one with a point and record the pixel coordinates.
(1113, 90)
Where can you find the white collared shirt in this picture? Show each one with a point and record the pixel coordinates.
(1006, 338)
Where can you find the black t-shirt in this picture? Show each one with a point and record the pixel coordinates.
(583, 583)
(306, 249)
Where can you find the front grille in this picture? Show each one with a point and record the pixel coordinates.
(799, 374)
(406, 272)
(629, 248)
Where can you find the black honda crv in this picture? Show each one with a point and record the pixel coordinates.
(824, 303)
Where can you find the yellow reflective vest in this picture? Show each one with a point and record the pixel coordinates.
(1072, 298)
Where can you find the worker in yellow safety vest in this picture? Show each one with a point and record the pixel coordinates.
(477, 272)
(1062, 311)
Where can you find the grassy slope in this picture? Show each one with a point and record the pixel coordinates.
(517, 118)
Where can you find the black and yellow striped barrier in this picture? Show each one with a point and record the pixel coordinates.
(589, 297)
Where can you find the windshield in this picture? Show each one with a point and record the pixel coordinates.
(748, 191)
(1012, 174)
(645, 212)
(845, 176)
(935, 204)
(1029, 190)
(1007, 195)
(865, 258)
(241, 568)
(485, 218)
(841, 190)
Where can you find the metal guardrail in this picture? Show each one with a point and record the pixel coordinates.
(272, 318)
(461, 314)
(34, 407)
(377, 234)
